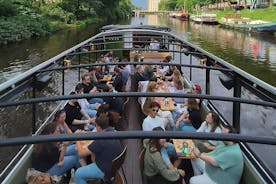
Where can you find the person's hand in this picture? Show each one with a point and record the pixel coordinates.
(93, 90)
(181, 172)
(79, 131)
(206, 145)
(177, 124)
(60, 163)
(92, 120)
(197, 152)
(97, 105)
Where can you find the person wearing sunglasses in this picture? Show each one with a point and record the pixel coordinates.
(152, 120)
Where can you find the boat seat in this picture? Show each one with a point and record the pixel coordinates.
(18, 174)
(250, 174)
(116, 166)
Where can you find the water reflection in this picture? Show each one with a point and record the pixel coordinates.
(254, 53)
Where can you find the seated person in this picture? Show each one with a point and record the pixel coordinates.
(76, 117)
(196, 89)
(154, 44)
(90, 109)
(45, 157)
(93, 78)
(178, 87)
(189, 121)
(125, 70)
(151, 87)
(156, 171)
(103, 152)
(210, 125)
(139, 76)
(225, 161)
(118, 82)
(149, 71)
(90, 88)
(152, 120)
(166, 116)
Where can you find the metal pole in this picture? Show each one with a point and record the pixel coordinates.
(207, 82)
(63, 82)
(34, 107)
(237, 105)
(79, 58)
(191, 61)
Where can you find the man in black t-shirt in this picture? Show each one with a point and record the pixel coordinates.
(76, 117)
(90, 88)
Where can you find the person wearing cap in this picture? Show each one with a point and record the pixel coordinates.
(102, 152)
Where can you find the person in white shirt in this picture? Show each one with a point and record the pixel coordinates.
(152, 120)
(154, 44)
(210, 125)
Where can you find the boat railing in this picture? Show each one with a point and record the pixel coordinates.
(137, 135)
(178, 49)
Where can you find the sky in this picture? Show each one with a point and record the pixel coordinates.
(140, 3)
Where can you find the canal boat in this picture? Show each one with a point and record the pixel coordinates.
(231, 83)
(182, 15)
(205, 19)
(236, 21)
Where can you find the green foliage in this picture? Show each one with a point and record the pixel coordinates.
(23, 19)
(167, 5)
(57, 13)
(18, 28)
(7, 8)
(266, 14)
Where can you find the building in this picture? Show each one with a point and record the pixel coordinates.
(153, 5)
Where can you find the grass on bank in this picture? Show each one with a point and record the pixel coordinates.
(266, 14)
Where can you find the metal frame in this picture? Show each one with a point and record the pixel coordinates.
(242, 79)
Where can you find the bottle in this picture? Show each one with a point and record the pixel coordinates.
(185, 147)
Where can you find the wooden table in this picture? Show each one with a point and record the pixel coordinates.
(149, 54)
(178, 145)
(167, 104)
(106, 78)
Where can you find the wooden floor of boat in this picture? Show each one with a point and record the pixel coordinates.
(131, 164)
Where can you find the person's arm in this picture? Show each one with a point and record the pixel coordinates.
(93, 90)
(61, 155)
(169, 174)
(84, 113)
(68, 130)
(209, 146)
(205, 157)
(82, 151)
(79, 122)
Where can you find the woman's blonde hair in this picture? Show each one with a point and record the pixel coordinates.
(151, 86)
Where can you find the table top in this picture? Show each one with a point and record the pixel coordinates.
(150, 54)
(107, 78)
(167, 104)
(178, 144)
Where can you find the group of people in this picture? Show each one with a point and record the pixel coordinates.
(214, 159)
(51, 161)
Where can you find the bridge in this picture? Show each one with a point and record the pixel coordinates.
(138, 12)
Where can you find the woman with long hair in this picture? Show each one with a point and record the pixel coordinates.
(46, 155)
(189, 121)
(156, 171)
